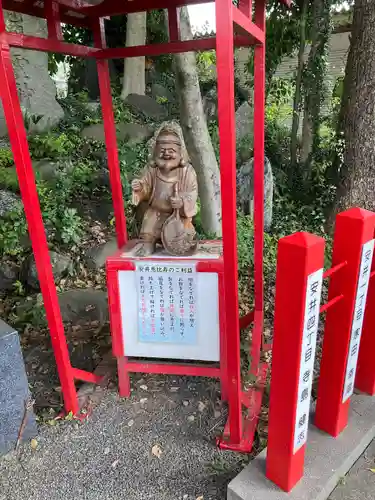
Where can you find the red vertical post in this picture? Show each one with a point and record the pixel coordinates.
(245, 7)
(365, 378)
(298, 289)
(353, 241)
(26, 179)
(173, 25)
(110, 135)
(227, 133)
(259, 103)
(52, 10)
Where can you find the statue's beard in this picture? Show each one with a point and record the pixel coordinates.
(167, 164)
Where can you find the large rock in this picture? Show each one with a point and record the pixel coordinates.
(14, 392)
(210, 105)
(61, 265)
(36, 89)
(46, 169)
(8, 202)
(133, 133)
(8, 275)
(245, 190)
(97, 256)
(244, 121)
(86, 305)
(146, 106)
(161, 92)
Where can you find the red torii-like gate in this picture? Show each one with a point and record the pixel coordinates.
(235, 27)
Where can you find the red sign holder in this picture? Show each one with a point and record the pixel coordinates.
(352, 242)
(298, 288)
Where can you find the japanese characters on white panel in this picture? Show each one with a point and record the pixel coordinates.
(357, 323)
(167, 300)
(310, 328)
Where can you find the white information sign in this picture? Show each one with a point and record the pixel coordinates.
(167, 298)
(161, 316)
(306, 371)
(357, 323)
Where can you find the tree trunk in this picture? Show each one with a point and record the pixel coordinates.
(307, 138)
(36, 89)
(297, 93)
(314, 80)
(134, 81)
(194, 126)
(357, 174)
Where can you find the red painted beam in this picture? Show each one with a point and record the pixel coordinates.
(166, 48)
(49, 45)
(174, 369)
(32, 10)
(244, 26)
(86, 376)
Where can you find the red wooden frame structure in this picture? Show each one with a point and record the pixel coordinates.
(235, 26)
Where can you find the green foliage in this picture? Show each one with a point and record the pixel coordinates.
(205, 62)
(51, 145)
(12, 230)
(245, 247)
(8, 175)
(69, 226)
(6, 157)
(8, 178)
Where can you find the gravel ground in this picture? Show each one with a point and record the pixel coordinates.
(159, 444)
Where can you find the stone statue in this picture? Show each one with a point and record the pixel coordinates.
(169, 186)
(245, 190)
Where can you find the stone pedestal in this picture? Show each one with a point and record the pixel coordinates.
(14, 391)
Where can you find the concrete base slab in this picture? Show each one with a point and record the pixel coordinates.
(359, 484)
(327, 460)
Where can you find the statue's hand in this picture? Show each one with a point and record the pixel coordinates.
(136, 185)
(177, 202)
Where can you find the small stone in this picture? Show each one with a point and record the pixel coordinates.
(130, 423)
(143, 401)
(191, 418)
(217, 414)
(34, 444)
(106, 451)
(201, 406)
(185, 497)
(185, 403)
(156, 451)
(143, 387)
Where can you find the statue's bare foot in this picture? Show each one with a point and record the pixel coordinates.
(144, 249)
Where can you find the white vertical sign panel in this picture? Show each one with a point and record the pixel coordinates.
(306, 371)
(167, 299)
(357, 323)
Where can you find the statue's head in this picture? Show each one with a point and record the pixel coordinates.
(167, 148)
(167, 152)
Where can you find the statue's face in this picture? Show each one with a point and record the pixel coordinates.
(167, 152)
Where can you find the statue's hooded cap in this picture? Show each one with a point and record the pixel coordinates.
(174, 128)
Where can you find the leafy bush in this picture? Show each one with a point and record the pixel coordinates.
(12, 230)
(6, 157)
(8, 178)
(51, 145)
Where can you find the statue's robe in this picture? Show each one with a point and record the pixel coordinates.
(157, 189)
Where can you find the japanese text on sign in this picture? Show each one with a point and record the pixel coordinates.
(310, 328)
(357, 323)
(167, 300)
